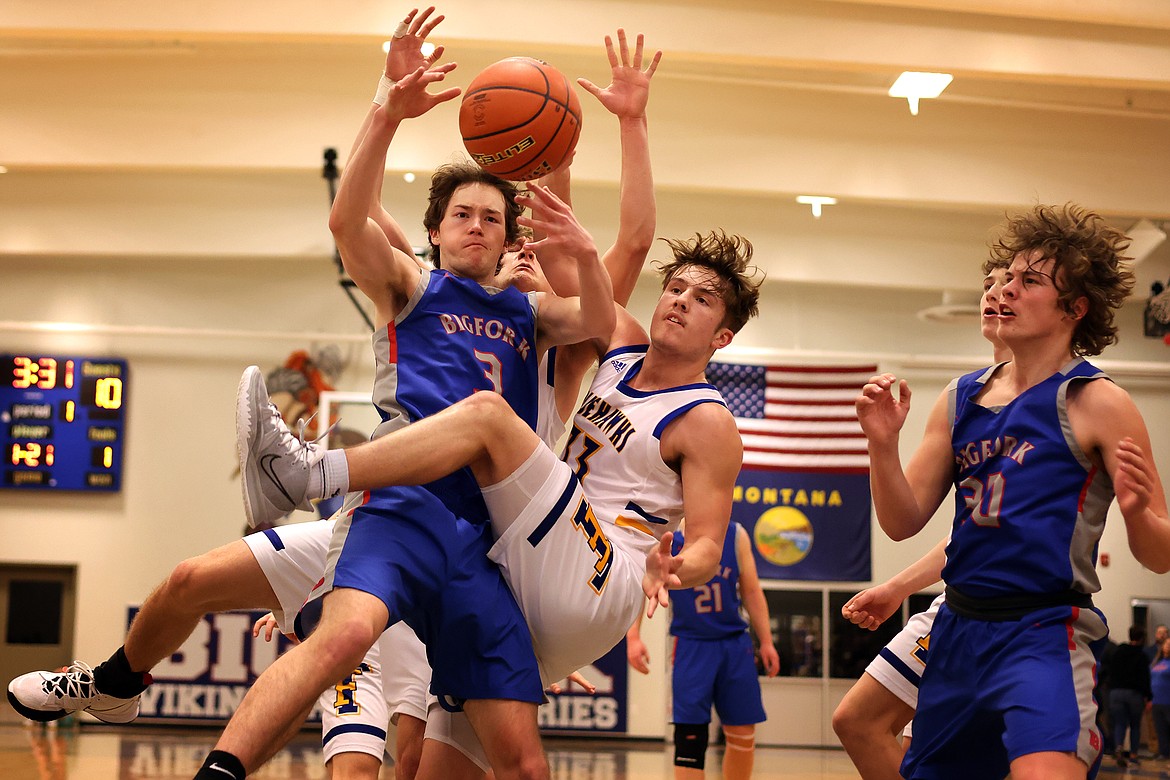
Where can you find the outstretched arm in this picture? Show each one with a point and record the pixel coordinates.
(626, 98)
(384, 273)
(873, 606)
(754, 601)
(404, 57)
(903, 499)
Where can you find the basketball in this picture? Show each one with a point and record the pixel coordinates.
(520, 118)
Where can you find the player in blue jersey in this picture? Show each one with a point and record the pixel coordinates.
(652, 441)
(1036, 449)
(714, 663)
(419, 554)
(876, 712)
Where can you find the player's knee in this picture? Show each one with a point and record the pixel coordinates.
(690, 745)
(342, 643)
(491, 412)
(187, 584)
(848, 723)
(740, 738)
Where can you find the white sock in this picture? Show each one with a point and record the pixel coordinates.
(331, 477)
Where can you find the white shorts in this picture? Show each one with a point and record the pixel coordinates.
(578, 585)
(354, 713)
(898, 667)
(391, 681)
(454, 729)
(292, 558)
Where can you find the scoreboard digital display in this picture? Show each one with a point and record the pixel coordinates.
(62, 422)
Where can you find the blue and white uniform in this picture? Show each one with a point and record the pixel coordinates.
(595, 547)
(1012, 658)
(423, 550)
(714, 663)
(394, 675)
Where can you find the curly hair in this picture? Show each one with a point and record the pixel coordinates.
(727, 257)
(447, 179)
(1088, 262)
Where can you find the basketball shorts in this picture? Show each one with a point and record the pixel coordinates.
(292, 558)
(578, 585)
(431, 570)
(898, 667)
(391, 681)
(719, 673)
(454, 729)
(995, 691)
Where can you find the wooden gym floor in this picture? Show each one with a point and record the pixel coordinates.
(144, 753)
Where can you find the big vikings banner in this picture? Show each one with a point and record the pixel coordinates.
(803, 492)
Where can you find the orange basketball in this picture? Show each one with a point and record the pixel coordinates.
(520, 118)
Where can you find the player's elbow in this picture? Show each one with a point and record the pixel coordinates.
(343, 224)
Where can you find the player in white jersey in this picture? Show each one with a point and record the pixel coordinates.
(652, 438)
(878, 709)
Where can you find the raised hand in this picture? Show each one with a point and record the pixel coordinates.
(880, 413)
(551, 218)
(409, 97)
(629, 88)
(405, 55)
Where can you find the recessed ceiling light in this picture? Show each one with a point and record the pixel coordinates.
(915, 85)
(816, 202)
(408, 177)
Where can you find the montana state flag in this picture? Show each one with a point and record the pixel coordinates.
(803, 491)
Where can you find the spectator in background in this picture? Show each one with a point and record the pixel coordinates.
(1129, 677)
(1160, 690)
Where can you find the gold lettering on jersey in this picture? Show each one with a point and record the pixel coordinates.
(609, 420)
(751, 494)
(481, 326)
(973, 453)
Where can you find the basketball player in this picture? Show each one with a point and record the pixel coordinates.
(420, 546)
(1036, 448)
(651, 441)
(714, 663)
(878, 709)
(292, 557)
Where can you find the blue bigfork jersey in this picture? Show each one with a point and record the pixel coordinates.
(711, 610)
(1029, 504)
(454, 338)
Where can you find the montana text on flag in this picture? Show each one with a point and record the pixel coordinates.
(803, 490)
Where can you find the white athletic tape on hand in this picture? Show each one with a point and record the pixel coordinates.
(401, 30)
(385, 84)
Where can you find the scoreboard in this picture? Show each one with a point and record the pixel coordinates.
(62, 422)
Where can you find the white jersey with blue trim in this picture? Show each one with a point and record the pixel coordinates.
(549, 425)
(615, 448)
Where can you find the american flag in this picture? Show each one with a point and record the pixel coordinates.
(796, 418)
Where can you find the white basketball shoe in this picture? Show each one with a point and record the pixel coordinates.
(46, 696)
(275, 463)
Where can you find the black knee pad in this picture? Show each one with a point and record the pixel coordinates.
(690, 745)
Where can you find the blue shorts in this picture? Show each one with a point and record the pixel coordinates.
(997, 690)
(431, 570)
(720, 672)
